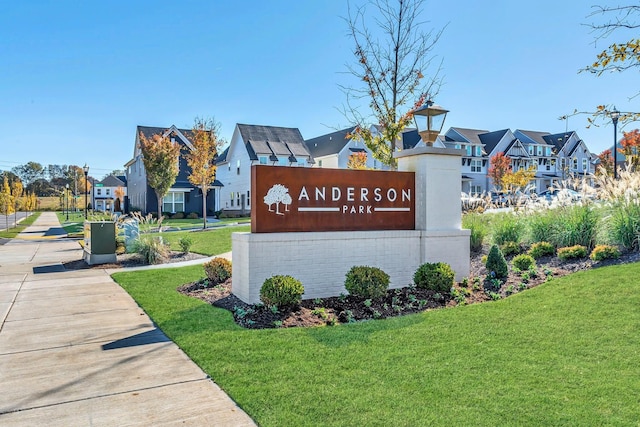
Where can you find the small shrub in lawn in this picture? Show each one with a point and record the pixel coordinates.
(367, 282)
(153, 250)
(434, 276)
(602, 252)
(185, 243)
(192, 215)
(218, 270)
(496, 263)
(572, 252)
(510, 248)
(540, 249)
(178, 215)
(281, 291)
(523, 262)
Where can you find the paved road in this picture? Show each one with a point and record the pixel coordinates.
(76, 350)
(11, 220)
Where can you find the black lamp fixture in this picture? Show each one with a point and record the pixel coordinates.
(615, 116)
(67, 195)
(85, 168)
(429, 120)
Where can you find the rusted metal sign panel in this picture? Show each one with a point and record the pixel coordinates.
(310, 199)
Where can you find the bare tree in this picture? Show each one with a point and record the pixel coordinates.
(391, 64)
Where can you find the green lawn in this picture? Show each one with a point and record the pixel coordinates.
(193, 224)
(210, 242)
(13, 232)
(564, 353)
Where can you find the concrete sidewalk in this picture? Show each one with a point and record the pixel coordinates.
(76, 350)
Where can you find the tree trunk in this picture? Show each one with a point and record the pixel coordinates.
(159, 211)
(204, 207)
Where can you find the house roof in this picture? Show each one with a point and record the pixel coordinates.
(410, 138)
(491, 139)
(558, 139)
(468, 135)
(112, 181)
(531, 136)
(331, 143)
(273, 141)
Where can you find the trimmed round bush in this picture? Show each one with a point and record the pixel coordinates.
(572, 252)
(185, 243)
(281, 291)
(602, 252)
(193, 215)
(367, 282)
(437, 277)
(510, 248)
(496, 263)
(218, 270)
(523, 262)
(540, 249)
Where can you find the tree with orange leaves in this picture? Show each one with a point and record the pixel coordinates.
(606, 161)
(357, 160)
(499, 167)
(630, 147)
(393, 67)
(160, 158)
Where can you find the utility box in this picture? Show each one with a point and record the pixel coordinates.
(100, 242)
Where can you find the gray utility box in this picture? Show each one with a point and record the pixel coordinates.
(99, 242)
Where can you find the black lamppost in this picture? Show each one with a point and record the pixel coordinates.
(86, 190)
(67, 194)
(615, 115)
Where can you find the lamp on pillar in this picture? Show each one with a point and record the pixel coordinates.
(85, 168)
(615, 115)
(429, 120)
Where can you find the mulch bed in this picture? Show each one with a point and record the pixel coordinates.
(397, 302)
(131, 260)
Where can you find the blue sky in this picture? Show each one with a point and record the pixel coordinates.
(77, 77)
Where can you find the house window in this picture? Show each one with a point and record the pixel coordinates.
(475, 189)
(107, 191)
(563, 163)
(548, 151)
(469, 150)
(173, 202)
(302, 162)
(575, 164)
(238, 167)
(476, 165)
(238, 199)
(263, 160)
(232, 199)
(99, 191)
(457, 146)
(531, 149)
(319, 163)
(283, 161)
(585, 167)
(478, 151)
(248, 198)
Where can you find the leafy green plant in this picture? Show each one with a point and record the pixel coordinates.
(153, 250)
(572, 252)
(510, 289)
(281, 291)
(506, 228)
(523, 261)
(434, 276)
(510, 248)
(496, 263)
(185, 243)
(577, 225)
(218, 270)
(541, 225)
(602, 252)
(477, 224)
(367, 282)
(540, 249)
(491, 284)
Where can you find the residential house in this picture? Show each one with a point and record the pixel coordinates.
(573, 155)
(256, 145)
(109, 194)
(475, 163)
(182, 196)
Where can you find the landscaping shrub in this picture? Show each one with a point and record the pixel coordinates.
(523, 262)
(434, 276)
(625, 224)
(577, 225)
(281, 291)
(510, 248)
(367, 282)
(153, 250)
(478, 226)
(218, 270)
(602, 252)
(540, 249)
(185, 243)
(192, 215)
(572, 252)
(506, 228)
(178, 215)
(496, 263)
(542, 225)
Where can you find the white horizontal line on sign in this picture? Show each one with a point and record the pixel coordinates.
(391, 209)
(318, 209)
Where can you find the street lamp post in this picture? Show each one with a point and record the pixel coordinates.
(615, 115)
(67, 194)
(85, 168)
(429, 121)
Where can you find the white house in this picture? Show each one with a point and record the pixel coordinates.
(109, 194)
(256, 145)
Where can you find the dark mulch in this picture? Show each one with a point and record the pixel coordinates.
(397, 302)
(131, 260)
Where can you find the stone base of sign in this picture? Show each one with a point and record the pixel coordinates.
(93, 259)
(320, 260)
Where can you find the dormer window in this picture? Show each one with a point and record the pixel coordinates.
(263, 160)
